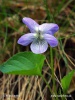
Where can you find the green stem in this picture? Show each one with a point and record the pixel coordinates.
(52, 69)
(50, 18)
(51, 53)
(51, 64)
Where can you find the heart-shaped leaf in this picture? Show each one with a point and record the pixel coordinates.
(65, 81)
(24, 63)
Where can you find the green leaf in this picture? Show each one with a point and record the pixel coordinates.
(65, 82)
(24, 63)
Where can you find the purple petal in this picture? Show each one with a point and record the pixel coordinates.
(49, 28)
(31, 24)
(26, 39)
(51, 40)
(39, 46)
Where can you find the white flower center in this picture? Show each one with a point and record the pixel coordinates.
(39, 34)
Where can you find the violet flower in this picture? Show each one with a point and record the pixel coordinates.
(40, 36)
